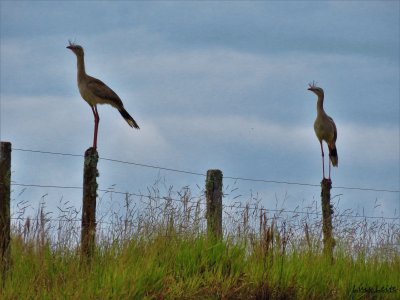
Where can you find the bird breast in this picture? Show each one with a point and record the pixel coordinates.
(87, 94)
(323, 129)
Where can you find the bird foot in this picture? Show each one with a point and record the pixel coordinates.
(324, 179)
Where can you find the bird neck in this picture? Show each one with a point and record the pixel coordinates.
(320, 104)
(81, 67)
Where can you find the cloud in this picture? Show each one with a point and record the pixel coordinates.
(215, 85)
(212, 81)
(358, 143)
(236, 129)
(369, 145)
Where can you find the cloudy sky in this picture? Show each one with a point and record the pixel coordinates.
(212, 85)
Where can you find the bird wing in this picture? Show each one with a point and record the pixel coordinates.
(334, 129)
(101, 90)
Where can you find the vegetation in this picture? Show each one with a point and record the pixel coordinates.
(157, 248)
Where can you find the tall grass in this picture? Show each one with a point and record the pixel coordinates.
(156, 247)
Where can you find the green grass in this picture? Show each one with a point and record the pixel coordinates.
(170, 257)
(190, 267)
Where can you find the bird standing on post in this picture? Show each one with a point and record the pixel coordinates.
(94, 92)
(325, 130)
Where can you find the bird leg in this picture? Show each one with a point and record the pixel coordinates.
(323, 167)
(96, 125)
(329, 168)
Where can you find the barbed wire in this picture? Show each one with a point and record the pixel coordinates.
(204, 175)
(237, 205)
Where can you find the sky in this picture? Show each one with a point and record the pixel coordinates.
(213, 85)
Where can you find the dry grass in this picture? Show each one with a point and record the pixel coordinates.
(156, 247)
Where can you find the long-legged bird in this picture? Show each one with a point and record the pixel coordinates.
(325, 130)
(94, 92)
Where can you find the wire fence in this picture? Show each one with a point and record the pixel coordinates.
(153, 210)
(239, 178)
(236, 205)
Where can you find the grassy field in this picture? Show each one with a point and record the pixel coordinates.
(161, 251)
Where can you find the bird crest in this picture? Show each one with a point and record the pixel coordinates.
(71, 43)
(312, 85)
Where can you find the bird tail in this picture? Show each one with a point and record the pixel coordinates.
(128, 118)
(333, 155)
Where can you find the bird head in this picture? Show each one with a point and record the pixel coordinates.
(78, 50)
(314, 88)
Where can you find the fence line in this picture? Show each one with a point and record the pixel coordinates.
(239, 205)
(212, 209)
(204, 175)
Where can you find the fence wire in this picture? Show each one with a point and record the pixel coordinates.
(239, 218)
(204, 175)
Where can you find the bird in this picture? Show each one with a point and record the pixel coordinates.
(94, 92)
(325, 130)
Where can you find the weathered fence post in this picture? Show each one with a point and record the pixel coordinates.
(214, 203)
(88, 233)
(327, 211)
(5, 180)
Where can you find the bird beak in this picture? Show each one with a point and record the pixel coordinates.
(69, 47)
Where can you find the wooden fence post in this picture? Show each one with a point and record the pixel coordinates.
(327, 211)
(5, 180)
(88, 233)
(214, 203)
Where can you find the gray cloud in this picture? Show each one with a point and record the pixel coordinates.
(215, 84)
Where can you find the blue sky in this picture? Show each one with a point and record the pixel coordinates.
(212, 85)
